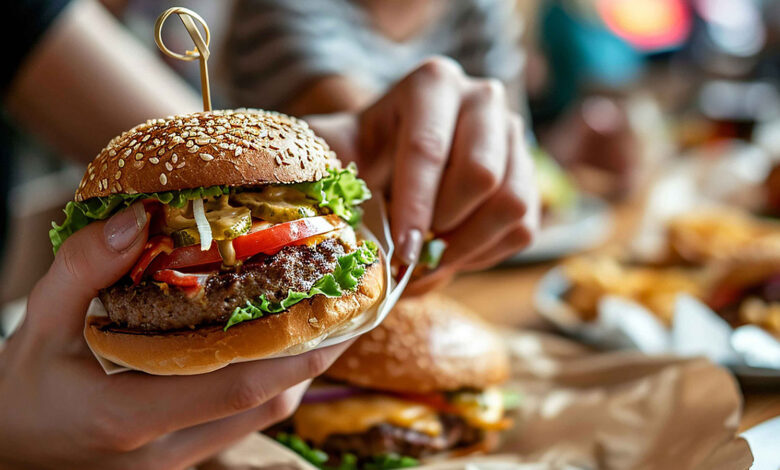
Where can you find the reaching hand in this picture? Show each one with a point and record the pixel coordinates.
(453, 160)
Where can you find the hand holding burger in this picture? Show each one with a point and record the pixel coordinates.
(252, 245)
(60, 410)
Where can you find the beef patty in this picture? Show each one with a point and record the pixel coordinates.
(150, 306)
(386, 438)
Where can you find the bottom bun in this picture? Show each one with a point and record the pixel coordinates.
(187, 352)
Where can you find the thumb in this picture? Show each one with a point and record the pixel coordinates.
(93, 258)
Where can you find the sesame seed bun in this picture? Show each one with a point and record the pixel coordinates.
(426, 344)
(187, 352)
(244, 147)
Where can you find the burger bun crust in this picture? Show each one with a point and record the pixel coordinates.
(426, 344)
(245, 147)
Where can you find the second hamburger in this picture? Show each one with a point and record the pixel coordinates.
(426, 382)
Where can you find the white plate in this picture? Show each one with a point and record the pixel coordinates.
(585, 227)
(635, 331)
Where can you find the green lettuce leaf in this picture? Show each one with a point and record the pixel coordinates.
(512, 399)
(80, 214)
(348, 461)
(341, 191)
(344, 277)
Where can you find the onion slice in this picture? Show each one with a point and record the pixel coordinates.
(204, 229)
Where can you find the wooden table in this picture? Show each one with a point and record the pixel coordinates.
(504, 296)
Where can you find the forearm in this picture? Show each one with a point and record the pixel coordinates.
(331, 94)
(88, 80)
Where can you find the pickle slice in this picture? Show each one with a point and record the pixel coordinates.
(226, 224)
(230, 222)
(185, 237)
(277, 204)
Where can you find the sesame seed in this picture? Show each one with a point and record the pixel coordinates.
(206, 157)
(174, 158)
(239, 151)
(121, 163)
(146, 137)
(118, 175)
(163, 179)
(127, 152)
(154, 160)
(105, 183)
(92, 177)
(112, 153)
(104, 167)
(168, 166)
(139, 156)
(180, 165)
(161, 151)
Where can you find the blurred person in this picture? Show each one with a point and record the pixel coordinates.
(445, 145)
(322, 56)
(335, 55)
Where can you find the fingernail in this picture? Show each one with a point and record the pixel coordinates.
(410, 246)
(123, 228)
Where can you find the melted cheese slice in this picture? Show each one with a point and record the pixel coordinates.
(483, 410)
(316, 421)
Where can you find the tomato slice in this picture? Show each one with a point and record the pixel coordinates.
(268, 240)
(178, 278)
(153, 247)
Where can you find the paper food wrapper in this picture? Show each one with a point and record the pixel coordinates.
(696, 329)
(586, 410)
(375, 227)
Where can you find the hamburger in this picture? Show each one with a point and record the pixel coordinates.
(252, 244)
(424, 383)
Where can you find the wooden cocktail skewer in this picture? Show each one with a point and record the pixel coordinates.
(201, 51)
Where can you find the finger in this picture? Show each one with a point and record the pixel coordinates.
(145, 407)
(479, 156)
(191, 446)
(510, 211)
(428, 110)
(93, 258)
(187, 447)
(429, 281)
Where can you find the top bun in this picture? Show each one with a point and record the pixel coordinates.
(425, 344)
(244, 147)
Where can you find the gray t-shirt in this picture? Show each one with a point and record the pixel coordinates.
(278, 47)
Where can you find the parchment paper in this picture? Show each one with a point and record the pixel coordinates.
(375, 227)
(586, 410)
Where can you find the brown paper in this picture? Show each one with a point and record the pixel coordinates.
(583, 409)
